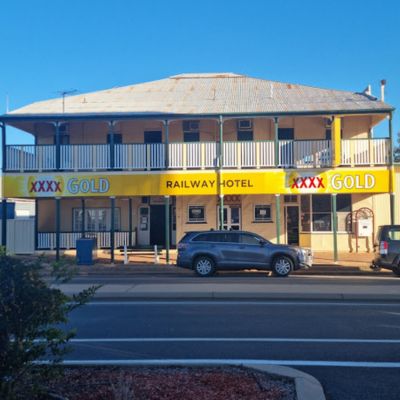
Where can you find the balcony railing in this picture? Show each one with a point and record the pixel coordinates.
(305, 153)
(196, 155)
(365, 152)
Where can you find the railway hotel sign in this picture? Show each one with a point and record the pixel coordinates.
(340, 180)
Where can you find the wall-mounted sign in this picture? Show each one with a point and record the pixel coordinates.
(230, 183)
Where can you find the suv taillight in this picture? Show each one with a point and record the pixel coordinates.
(383, 248)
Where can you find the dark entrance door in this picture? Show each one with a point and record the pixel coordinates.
(157, 225)
(292, 224)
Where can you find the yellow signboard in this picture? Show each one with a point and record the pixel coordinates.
(340, 180)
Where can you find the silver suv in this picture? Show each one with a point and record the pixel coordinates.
(208, 251)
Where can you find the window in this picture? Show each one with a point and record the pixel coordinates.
(96, 219)
(153, 137)
(245, 238)
(285, 134)
(321, 213)
(191, 136)
(316, 213)
(117, 138)
(63, 132)
(262, 213)
(191, 126)
(204, 237)
(394, 234)
(196, 214)
(243, 136)
(290, 198)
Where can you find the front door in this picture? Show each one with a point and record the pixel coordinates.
(231, 218)
(292, 224)
(157, 225)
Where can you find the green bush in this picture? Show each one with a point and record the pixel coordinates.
(31, 317)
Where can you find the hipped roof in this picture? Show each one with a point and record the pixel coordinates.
(207, 94)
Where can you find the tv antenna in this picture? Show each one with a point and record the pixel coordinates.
(65, 93)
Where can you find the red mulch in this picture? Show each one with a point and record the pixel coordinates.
(172, 383)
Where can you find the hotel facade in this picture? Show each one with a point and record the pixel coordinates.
(143, 164)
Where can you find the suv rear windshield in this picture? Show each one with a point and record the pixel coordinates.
(393, 234)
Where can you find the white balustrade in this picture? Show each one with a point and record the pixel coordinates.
(84, 156)
(365, 151)
(196, 155)
(30, 157)
(305, 153)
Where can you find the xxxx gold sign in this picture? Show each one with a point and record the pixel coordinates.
(197, 183)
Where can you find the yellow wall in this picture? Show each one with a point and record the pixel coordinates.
(356, 127)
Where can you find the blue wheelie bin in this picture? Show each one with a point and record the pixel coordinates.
(86, 251)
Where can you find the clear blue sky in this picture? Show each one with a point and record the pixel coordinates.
(53, 45)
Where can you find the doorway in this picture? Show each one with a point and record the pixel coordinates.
(292, 224)
(232, 218)
(157, 225)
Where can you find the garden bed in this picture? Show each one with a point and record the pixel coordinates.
(171, 383)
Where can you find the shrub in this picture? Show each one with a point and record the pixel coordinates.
(31, 317)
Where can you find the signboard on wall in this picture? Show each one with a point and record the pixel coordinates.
(340, 180)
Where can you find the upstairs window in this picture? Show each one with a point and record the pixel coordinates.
(245, 130)
(285, 134)
(191, 131)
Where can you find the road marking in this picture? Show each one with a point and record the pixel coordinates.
(238, 302)
(163, 362)
(229, 339)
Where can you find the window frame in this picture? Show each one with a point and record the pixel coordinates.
(77, 212)
(312, 214)
(191, 206)
(258, 220)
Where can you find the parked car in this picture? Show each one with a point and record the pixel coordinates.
(208, 251)
(388, 243)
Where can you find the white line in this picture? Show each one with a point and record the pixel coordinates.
(225, 339)
(244, 302)
(160, 362)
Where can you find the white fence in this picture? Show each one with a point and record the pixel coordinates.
(47, 240)
(20, 236)
(365, 151)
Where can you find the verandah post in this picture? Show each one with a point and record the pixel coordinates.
(278, 217)
(334, 227)
(167, 229)
(112, 229)
(220, 166)
(58, 226)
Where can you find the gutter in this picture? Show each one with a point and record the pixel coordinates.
(162, 116)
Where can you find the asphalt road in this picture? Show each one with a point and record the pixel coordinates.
(353, 348)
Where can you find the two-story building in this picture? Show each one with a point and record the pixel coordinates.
(142, 164)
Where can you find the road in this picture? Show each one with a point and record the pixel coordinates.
(353, 348)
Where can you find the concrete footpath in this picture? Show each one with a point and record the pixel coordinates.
(238, 286)
(241, 291)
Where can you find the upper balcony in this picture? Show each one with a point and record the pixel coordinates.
(196, 155)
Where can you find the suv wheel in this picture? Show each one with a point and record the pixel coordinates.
(282, 266)
(204, 266)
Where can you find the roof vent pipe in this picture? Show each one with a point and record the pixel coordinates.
(383, 84)
(368, 90)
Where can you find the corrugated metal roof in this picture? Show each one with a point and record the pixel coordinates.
(208, 93)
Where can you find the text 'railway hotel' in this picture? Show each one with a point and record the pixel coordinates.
(143, 164)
